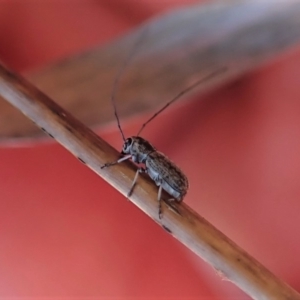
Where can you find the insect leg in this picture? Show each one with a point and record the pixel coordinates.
(159, 201)
(138, 171)
(116, 162)
(172, 207)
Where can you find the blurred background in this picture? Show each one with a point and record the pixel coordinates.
(60, 232)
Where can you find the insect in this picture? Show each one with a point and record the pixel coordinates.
(166, 175)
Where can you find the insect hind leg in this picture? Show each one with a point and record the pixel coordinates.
(170, 202)
(159, 201)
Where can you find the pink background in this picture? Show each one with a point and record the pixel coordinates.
(60, 232)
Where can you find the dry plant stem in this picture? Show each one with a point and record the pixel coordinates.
(186, 226)
(180, 48)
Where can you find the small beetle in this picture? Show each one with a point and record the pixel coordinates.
(160, 168)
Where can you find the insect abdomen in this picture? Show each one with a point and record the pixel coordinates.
(165, 173)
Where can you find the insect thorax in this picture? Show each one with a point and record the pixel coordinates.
(138, 147)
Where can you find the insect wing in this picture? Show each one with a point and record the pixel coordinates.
(168, 171)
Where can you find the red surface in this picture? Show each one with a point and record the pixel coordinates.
(60, 232)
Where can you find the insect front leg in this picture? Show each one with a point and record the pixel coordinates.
(139, 170)
(116, 162)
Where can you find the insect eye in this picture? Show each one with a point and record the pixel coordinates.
(127, 144)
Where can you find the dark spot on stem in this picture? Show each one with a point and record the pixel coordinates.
(166, 229)
(80, 159)
(47, 132)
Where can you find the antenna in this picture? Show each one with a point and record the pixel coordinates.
(119, 75)
(202, 80)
